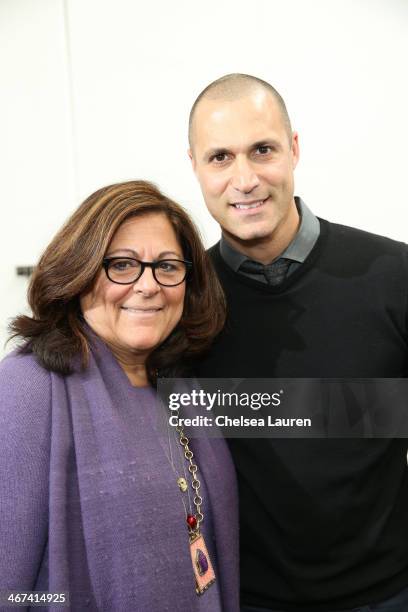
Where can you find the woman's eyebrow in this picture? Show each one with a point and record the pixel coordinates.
(135, 254)
(164, 253)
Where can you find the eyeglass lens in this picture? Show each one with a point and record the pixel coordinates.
(167, 272)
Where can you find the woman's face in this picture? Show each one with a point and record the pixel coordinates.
(135, 319)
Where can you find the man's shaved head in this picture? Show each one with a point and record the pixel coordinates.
(232, 87)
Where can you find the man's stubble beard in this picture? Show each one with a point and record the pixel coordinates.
(253, 238)
(260, 235)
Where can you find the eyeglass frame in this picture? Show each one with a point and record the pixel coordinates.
(146, 264)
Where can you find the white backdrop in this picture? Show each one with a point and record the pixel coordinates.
(98, 91)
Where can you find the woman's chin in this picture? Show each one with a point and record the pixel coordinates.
(143, 345)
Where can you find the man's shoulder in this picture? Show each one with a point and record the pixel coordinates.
(214, 255)
(214, 250)
(346, 235)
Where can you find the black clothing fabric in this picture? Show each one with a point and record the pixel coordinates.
(324, 522)
(397, 603)
(274, 273)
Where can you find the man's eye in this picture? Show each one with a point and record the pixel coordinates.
(264, 149)
(219, 157)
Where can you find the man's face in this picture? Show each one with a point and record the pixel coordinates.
(244, 160)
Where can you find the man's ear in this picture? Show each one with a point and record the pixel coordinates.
(295, 149)
(191, 156)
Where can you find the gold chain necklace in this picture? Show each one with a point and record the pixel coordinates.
(202, 566)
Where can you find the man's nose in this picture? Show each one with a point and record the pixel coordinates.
(244, 178)
(146, 283)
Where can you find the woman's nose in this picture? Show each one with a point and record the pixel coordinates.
(146, 283)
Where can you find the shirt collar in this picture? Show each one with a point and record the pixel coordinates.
(297, 250)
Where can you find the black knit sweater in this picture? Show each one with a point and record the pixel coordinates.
(324, 523)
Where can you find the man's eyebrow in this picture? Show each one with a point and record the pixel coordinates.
(265, 143)
(215, 151)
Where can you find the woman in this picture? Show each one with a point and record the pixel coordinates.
(93, 499)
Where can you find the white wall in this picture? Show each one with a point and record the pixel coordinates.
(36, 156)
(97, 91)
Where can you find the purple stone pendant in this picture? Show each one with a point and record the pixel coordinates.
(203, 569)
(201, 562)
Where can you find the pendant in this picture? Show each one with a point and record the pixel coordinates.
(182, 484)
(203, 569)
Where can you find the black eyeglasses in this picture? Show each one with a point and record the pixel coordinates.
(126, 270)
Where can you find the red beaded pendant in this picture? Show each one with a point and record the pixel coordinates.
(191, 521)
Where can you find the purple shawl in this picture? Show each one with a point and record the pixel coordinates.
(88, 501)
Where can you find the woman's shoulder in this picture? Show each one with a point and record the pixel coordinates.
(24, 383)
(23, 365)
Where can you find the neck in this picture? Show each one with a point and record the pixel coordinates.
(133, 365)
(269, 248)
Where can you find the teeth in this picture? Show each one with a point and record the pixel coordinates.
(248, 206)
(141, 309)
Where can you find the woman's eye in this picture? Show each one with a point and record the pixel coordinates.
(120, 266)
(166, 266)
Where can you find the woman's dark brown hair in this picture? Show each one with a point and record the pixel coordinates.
(56, 331)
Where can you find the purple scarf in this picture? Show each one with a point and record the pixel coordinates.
(88, 500)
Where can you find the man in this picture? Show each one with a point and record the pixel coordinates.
(324, 522)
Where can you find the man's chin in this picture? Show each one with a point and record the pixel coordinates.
(248, 236)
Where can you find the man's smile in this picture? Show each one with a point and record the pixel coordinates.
(245, 206)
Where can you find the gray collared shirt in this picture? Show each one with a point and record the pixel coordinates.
(296, 251)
